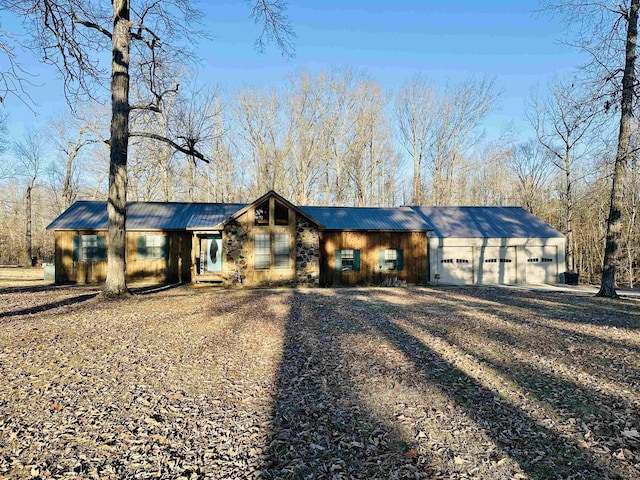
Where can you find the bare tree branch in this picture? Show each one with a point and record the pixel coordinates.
(275, 25)
(181, 148)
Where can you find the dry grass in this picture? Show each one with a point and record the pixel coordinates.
(344, 383)
(22, 277)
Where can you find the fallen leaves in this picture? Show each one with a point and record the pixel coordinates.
(212, 383)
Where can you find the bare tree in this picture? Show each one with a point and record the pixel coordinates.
(194, 122)
(70, 136)
(530, 164)
(30, 154)
(73, 33)
(563, 122)
(335, 100)
(456, 130)
(6, 170)
(614, 223)
(259, 115)
(607, 32)
(14, 79)
(415, 113)
(302, 136)
(631, 205)
(438, 129)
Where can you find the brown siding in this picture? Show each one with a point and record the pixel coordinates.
(68, 270)
(176, 268)
(272, 275)
(171, 269)
(413, 244)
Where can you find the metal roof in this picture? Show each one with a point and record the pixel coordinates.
(461, 222)
(92, 215)
(211, 214)
(367, 218)
(485, 222)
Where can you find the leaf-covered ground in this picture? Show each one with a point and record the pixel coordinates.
(319, 383)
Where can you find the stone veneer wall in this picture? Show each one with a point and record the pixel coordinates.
(235, 239)
(307, 253)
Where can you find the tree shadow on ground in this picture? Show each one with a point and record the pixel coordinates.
(528, 325)
(321, 429)
(150, 289)
(530, 312)
(49, 306)
(566, 306)
(32, 289)
(607, 415)
(318, 414)
(561, 457)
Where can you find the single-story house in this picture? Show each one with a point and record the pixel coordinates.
(271, 241)
(492, 245)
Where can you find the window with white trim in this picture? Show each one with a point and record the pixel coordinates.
(390, 259)
(347, 260)
(262, 251)
(89, 248)
(282, 250)
(152, 246)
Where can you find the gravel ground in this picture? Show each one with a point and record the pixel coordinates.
(318, 383)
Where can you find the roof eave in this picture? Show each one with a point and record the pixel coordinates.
(396, 230)
(271, 193)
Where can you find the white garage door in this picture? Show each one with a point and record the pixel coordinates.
(542, 264)
(497, 265)
(455, 265)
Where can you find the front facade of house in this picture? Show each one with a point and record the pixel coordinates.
(273, 242)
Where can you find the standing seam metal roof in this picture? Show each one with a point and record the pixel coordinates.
(367, 218)
(460, 222)
(485, 222)
(92, 215)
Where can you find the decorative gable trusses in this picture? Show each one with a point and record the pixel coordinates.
(264, 198)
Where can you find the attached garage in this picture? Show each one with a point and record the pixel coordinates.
(497, 265)
(272, 241)
(455, 265)
(542, 264)
(492, 245)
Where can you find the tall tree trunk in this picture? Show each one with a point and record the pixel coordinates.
(570, 261)
(29, 235)
(67, 187)
(614, 222)
(417, 179)
(67, 192)
(116, 284)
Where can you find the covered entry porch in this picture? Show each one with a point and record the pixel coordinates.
(207, 251)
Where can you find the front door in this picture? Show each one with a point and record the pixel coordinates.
(213, 253)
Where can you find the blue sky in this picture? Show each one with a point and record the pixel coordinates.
(391, 40)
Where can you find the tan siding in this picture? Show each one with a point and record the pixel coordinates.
(68, 270)
(414, 248)
(161, 270)
(272, 275)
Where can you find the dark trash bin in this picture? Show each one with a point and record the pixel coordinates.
(571, 278)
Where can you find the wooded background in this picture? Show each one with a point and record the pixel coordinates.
(339, 138)
(336, 137)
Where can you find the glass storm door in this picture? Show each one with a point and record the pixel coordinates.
(214, 253)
